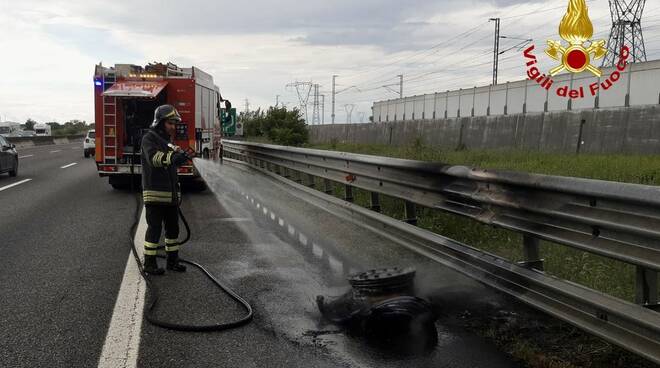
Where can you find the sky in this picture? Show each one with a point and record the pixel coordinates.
(255, 48)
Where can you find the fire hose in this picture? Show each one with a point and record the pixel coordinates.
(153, 290)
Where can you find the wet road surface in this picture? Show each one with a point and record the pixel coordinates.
(280, 253)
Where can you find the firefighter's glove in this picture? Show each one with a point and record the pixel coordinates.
(174, 147)
(179, 158)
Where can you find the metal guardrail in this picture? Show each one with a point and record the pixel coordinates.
(615, 220)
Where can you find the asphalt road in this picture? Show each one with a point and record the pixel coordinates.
(61, 258)
(63, 242)
(280, 253)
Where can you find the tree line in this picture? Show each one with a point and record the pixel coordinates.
(72, 127)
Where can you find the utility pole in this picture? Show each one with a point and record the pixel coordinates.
(626, 31)
(400, 85)
(247, 107)
(277, 101)
(496, 49)
(334, 93)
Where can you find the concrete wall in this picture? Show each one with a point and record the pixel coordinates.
(612, 130)
(638, 85)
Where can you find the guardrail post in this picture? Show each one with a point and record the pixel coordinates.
(646, 287)
(310, 181)
(532, 253)
(375, 201)
(327, 186)
(298, 177)
(348, 195)
(411, 213)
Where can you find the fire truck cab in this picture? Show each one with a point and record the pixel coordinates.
(125, 97)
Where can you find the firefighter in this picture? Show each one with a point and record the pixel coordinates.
(161, 190)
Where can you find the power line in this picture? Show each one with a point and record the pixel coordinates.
(413, 56)
(418, 80)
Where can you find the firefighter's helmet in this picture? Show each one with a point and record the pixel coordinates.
(165, 112)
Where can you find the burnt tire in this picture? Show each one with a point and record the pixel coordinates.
(14, 172)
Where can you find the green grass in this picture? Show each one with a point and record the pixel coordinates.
(609, 276)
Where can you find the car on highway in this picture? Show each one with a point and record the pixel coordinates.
(89, 144)
(8, 157)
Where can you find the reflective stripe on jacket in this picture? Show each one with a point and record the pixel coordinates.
(160, 182)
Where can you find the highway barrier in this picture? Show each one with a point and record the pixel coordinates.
(22, 142)
(615, 220)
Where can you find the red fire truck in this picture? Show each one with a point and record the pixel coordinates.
(125, 97)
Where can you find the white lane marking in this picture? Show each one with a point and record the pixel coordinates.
(55, 151)
(69, 165)
(235, 219)
(15, 184)
(122, 342)
(26, 156)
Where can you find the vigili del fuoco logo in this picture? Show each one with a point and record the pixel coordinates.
(577, 30)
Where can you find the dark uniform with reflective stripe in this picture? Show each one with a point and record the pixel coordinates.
(161, 193)
(160, 190)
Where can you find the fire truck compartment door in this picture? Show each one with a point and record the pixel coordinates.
(143, 89)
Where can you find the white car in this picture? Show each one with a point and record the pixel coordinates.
(89, 144)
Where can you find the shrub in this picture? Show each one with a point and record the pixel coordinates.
(278, 124)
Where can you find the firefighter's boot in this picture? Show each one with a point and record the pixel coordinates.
(151, 266)
(173, 262)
